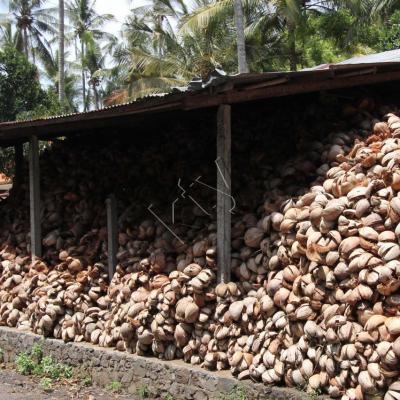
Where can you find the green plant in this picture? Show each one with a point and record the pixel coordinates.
(114, 386)
(25, 364)
(169, 397)
(87, 381)
(37, 351)
(313, 394)
(237, 393)
(46, 384)
(55, 370)
(143, 392)
(34, 363)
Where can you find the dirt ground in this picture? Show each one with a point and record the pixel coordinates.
(14, 386)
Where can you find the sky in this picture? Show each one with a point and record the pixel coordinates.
(119, 8)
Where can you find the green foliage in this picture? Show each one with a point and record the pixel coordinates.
(46, 384)
(55, 370)
(313, 395)
(390, 34)
(164, 44)
(49, 107)
(37, 352)
(143, 392)
(33, 24)
(115, 387)
(87, 381)
(33, 363)
(20, 89)
(335, 24)
(237, 393)
(25, 364)
(169, 397)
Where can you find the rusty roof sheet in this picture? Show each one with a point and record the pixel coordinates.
(219, 89)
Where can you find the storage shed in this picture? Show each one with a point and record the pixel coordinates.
(218, 101)
(249, 223)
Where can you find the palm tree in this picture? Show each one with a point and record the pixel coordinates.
(34, 24)
(293, 15)
(240, 38)
(94, 63)
(275, 15)
(10, 38)
(156, 58)
(71, 86)
(61, 53)
(211, 15)
(87, 24)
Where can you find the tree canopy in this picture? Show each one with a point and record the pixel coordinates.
(20, 89)
(164, 44)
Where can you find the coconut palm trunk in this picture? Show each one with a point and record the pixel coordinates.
(96, 97)
(61, 53)
(240, 38)
(25, 40)
(292, 47)
(83, 74)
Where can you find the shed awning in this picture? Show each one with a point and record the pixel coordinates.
(227, 90)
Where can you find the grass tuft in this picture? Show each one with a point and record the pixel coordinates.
(143, 392)
(237, 393)
(115, 387)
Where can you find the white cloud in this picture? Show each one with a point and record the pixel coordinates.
(119, 8)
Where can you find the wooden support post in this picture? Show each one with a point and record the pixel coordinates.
(112, 232)
(34, 195)
(19, 160)
(224, 202)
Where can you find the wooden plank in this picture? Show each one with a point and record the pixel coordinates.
(224, 203)
(19, 160)
(34, 196)
(112, 232)
(289, 89)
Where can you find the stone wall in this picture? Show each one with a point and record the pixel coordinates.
(177, 378)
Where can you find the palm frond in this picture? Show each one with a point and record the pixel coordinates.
(201, 17)
(152, 86)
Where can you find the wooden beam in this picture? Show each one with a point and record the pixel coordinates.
(34, 196)
(19, 160)
(293, 88)
(224, 203)
(112, 231)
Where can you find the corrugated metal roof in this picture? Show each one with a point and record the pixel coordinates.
(218, 89)
(391, 56)
(384, 57)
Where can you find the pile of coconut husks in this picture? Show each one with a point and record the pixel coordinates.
(315, 297)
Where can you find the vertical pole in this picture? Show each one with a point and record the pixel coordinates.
(112, 232)
(19, 160)
(34, 196)
(224, 192)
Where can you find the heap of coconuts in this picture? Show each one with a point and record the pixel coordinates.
(314, 300)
